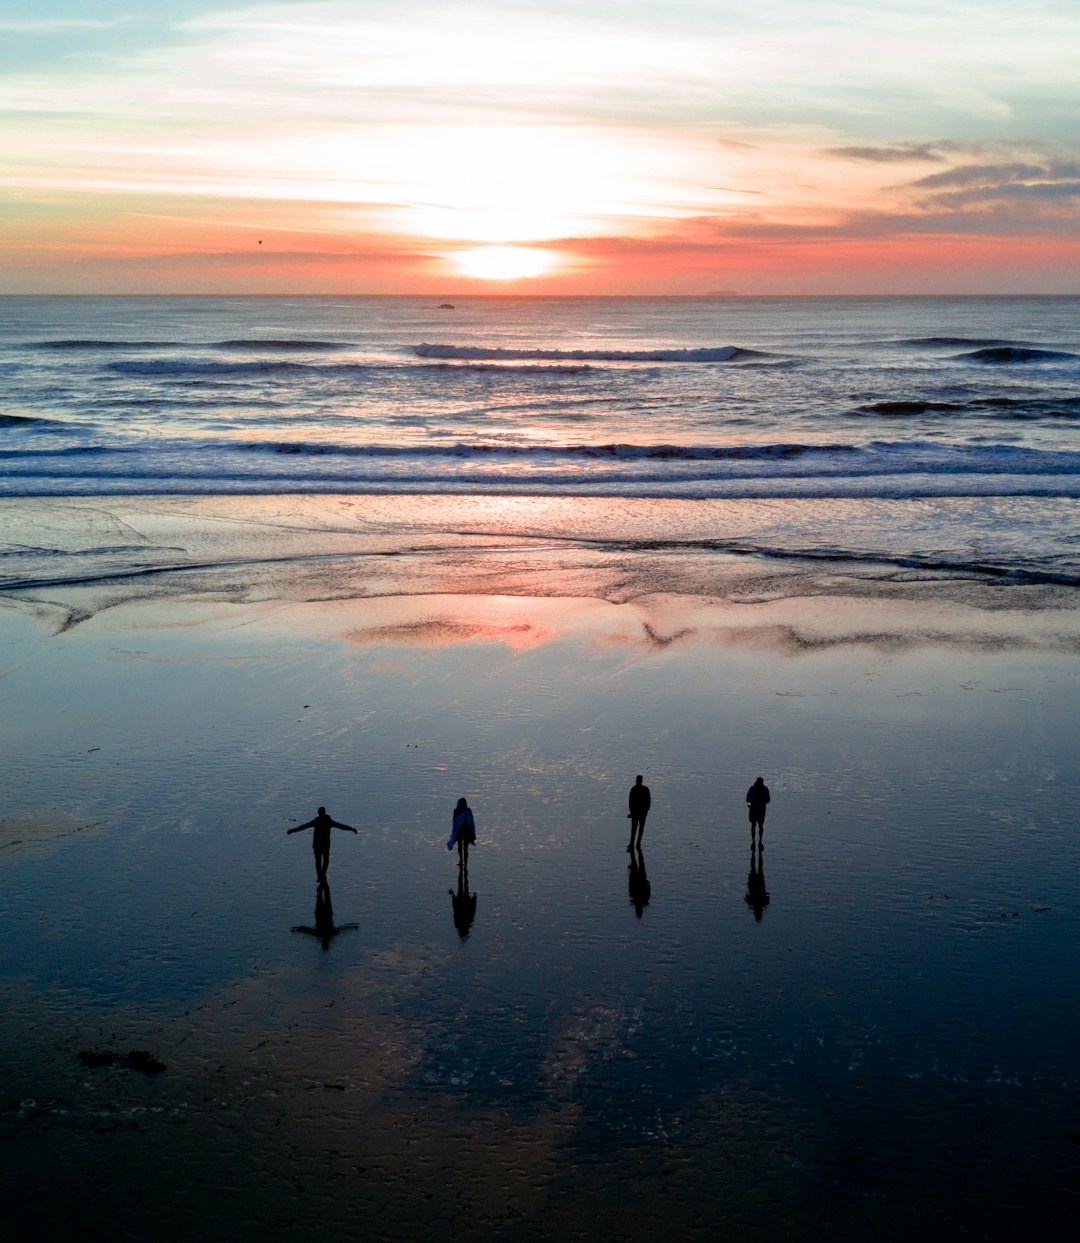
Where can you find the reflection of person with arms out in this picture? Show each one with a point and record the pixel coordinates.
(320, 838)
(640, 802)
(325, 928)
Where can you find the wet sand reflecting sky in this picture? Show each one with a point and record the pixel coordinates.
(889, 1051)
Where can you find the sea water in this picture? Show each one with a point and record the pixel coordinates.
(928, 432)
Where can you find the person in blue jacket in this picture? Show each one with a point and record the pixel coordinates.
(463, 832)
(757, 799)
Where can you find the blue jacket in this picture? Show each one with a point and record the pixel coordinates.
(463, 821)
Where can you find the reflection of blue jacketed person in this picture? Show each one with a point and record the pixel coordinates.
(463, 833)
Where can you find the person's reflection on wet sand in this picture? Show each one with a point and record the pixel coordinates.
(324, 929)
(640, 889)
(757, 896)
(464, 904)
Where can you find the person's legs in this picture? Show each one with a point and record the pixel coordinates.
(322, 860)
(640, 829)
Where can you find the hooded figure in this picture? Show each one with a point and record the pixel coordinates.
(463, 832)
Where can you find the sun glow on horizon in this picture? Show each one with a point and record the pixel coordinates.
(504, 263)
(328, 145)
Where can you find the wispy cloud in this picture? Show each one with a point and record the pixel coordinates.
(633, 127)
(895, 153)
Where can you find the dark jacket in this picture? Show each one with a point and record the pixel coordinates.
(757, 795)
(640, 800)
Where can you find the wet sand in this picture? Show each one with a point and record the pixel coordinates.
(889, 1051)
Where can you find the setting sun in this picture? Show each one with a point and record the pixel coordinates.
(503, 263)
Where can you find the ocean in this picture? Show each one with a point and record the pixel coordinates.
(928, 433)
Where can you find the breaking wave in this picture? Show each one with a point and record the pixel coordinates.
(710, 354)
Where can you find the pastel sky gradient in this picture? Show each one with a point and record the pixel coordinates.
(419, 146)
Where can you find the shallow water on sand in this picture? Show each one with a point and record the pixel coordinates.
(890, 1049)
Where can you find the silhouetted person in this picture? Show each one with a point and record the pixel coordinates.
(757, 798)
(640, 802)
(640, 889)
(463, 832)
(324, 918)
(757, 896)
(320, 839)
(464, 904)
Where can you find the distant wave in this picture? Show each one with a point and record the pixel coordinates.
(1028, 409)
(70, 451)
(712, 354)
(210, 368)
(204, 367)
(271, 366)
(274, 345)
(570, 463)
(907, 409)
(503, 369)
(609, 452)
(952, 342)
(24, 420)
(254, 344)
(95, 343)
(1000, 354)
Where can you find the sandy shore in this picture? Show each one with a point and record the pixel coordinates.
(886, 1051)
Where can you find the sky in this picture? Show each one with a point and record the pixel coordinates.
(630, 147)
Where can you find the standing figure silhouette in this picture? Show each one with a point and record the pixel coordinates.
(640, 802)
(757, 799)
(463, 833)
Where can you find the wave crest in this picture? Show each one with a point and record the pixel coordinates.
(706, 354)
(1003, 354)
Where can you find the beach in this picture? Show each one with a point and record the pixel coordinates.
(262, 556)
(887, 1046)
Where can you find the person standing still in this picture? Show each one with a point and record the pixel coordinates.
(757, 799)
(640, 802)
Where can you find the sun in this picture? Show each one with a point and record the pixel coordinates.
(503, 263)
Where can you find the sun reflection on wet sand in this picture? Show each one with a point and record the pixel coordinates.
(575, 1066)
